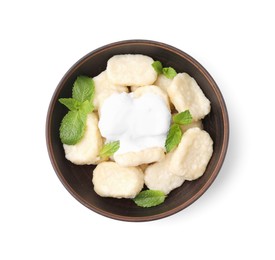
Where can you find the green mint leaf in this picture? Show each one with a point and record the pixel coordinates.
(83, 89)
(86, 107)
(70, 103)
(157, 66)
(73, 124)
(169, 72)
(72, 127)
(109, 149)
(173, 137)
(149, 198)
(183, 118)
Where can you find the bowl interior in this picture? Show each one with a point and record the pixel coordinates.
(78, 179)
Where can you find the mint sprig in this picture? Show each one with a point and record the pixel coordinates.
(86, 107)
(168, 72)
(173, 137)
(72, 127)
(109, 149)
(71, 103)
(157, 66)
(175, 133)
(149, 198)
(73, 124)
(83, 89)
(183, 118)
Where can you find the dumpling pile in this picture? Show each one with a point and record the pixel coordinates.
(124, 175)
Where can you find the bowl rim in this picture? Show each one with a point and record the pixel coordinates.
(225, 120)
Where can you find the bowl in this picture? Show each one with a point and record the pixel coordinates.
(78, 179)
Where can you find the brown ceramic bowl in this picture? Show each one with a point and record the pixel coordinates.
(78, 179)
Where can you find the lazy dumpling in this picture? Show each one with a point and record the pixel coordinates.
(185, 94)
(163, 82)
(131, 70)
(192, 155)
(145, 156)
(158, 176)
(198, 124)
(152, 89)
(86, 151)
(112, 180)
(187, 162)
(103, 89)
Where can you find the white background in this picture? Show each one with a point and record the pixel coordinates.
(41, 40)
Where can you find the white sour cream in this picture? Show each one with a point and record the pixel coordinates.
(138, 123)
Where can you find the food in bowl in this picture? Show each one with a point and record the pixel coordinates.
(130, 120)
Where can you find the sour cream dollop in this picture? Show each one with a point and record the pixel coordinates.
(138, 123)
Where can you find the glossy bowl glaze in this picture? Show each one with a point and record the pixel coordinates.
(78, 179)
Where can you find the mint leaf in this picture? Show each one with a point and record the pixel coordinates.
(169, 72)
(73, 124)
(173, 137)
(109, 149)
(83, 89)
(86, 107)
(70, 103)
(157, 66)
(72, 127)
(183, 118)
(149, 198)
